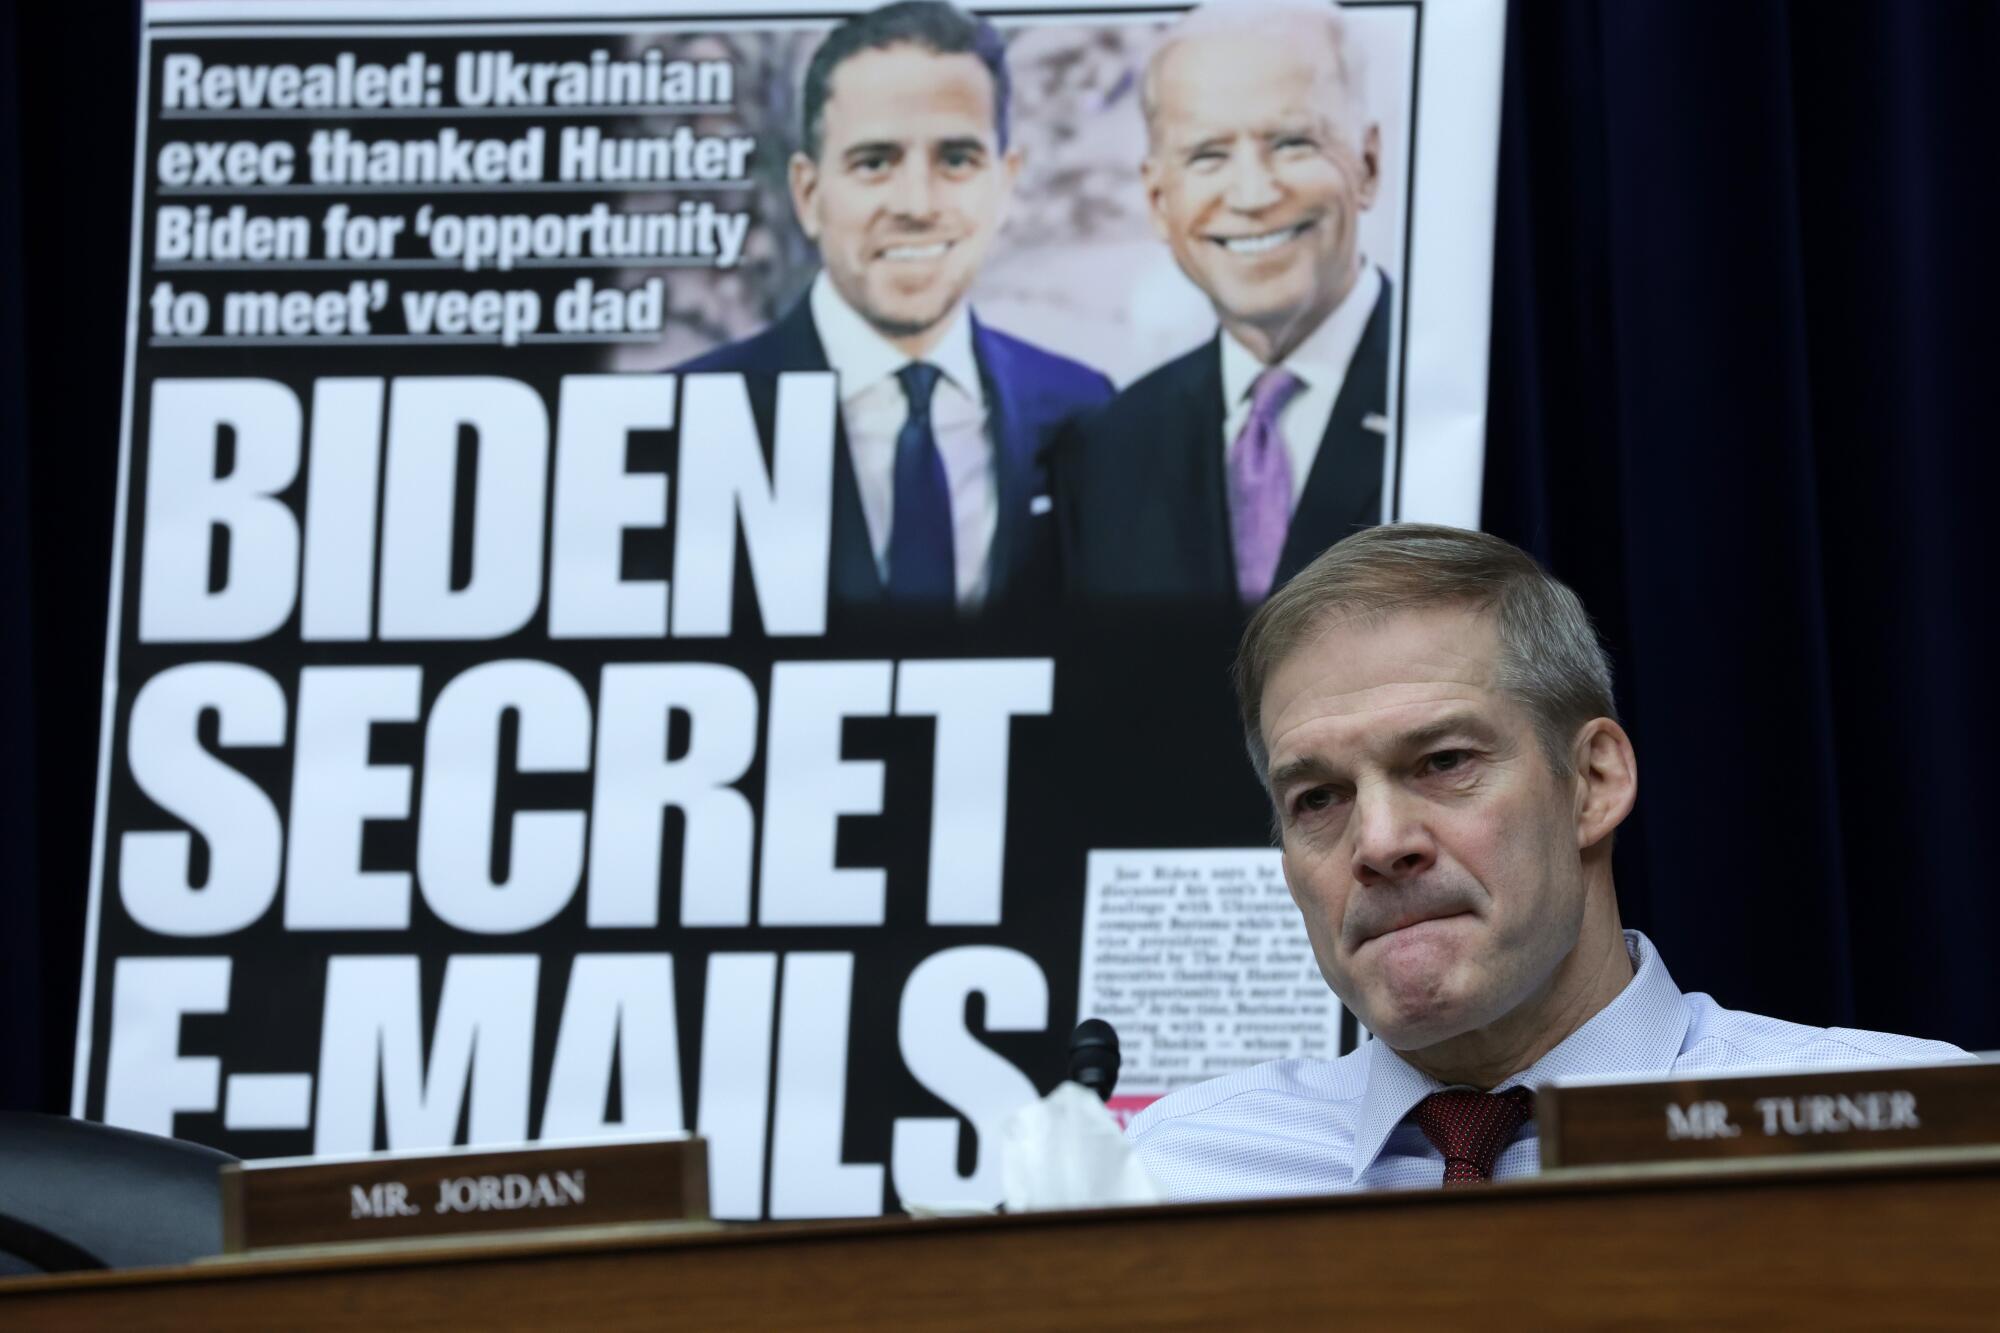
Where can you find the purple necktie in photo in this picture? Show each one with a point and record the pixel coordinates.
(1260, 485)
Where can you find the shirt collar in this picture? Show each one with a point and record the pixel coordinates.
(1322, 359)
(863, 358)
(1639, 1032)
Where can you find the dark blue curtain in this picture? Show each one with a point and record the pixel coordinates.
(67, 80)
(20, 977)
(1742, 398)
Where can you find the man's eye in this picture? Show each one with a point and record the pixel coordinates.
(961, 159)
(872, 165)
(1444, 761)
(1319, 798)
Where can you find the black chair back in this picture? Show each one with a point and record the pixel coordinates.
(75, 1194)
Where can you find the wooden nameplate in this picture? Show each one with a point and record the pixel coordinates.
(461, 1191)
(1599, 1122)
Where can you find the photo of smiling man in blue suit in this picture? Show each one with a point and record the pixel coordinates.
(902, 180)
(1225, 471)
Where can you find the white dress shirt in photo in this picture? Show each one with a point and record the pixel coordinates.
(1320, 362)
(873, 408)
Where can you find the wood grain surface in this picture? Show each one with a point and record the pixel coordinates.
(1902, 1240)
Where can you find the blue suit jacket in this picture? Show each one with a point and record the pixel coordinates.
(1141, 495)
(1029, 394)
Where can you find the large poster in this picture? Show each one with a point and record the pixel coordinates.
(677, 569)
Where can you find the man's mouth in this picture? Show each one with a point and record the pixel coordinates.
(910, 254)
(1263, 242)
(1405, 923)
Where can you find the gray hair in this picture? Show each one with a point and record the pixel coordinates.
(1323, 17)
(1550, 659)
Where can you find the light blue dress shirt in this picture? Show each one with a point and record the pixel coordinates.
(1327, 1126)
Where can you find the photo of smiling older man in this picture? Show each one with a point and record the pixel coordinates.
(902, 178)
(1226, 470)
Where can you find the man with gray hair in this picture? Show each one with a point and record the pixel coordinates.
(1222, 472)
(1431, 715)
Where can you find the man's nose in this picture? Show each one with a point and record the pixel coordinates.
(911, 193)
(1391, 840)
(1253, 186)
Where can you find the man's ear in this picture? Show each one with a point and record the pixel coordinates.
(1152, 176)
(1607, 780)
(802, 174)
(1011, 163)
(1371, 167)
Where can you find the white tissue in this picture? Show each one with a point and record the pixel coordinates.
(1066, 1151)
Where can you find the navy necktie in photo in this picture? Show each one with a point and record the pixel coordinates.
(920, 527)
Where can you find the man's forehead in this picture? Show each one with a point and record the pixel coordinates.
(1271, 72)
(909, 92)
(1377, 676)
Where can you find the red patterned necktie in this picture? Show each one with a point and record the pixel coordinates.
(1471, 1128)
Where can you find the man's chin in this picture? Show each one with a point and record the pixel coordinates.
(891, 323)
(1417, 1009)
(1420, 1031)
(903, 314)
(1283, 315)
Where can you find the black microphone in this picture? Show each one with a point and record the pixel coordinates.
(1093, 1056)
